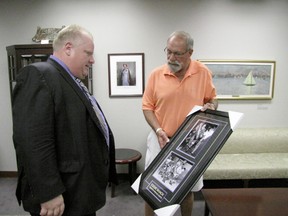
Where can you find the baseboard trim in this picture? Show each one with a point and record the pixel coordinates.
(8, 174)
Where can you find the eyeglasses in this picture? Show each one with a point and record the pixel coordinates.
(176, 54)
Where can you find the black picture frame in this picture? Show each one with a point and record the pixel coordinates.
(181, 163)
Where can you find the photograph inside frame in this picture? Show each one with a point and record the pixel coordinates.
(181, 163)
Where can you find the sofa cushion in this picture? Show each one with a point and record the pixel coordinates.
(248, 166)
(256, 140)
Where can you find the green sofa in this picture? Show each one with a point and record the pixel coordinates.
(252, 153)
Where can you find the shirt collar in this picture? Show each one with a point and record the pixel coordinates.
(63, 65)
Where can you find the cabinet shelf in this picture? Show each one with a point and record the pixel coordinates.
(22, 55)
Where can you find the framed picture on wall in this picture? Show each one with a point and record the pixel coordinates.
(126, 74)
(181, 163)
(241, 79)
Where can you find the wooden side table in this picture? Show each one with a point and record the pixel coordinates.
(130, 157)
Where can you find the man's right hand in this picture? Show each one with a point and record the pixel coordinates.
(162, 138)
(54, 207)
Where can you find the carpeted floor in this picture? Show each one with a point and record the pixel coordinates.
(125, 203)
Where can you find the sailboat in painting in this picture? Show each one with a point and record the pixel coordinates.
(249, 81)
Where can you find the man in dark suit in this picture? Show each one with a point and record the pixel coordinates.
(65, 158)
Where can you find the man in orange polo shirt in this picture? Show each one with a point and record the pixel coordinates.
(172, 91)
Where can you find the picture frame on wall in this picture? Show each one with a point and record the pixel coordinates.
(243, 79)
(181, 163)
(126, 74)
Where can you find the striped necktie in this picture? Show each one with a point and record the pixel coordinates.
(97, 111)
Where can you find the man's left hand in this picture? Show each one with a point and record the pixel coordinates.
(208, 106)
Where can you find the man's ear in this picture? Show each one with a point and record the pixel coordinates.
(190, 52)
(68, 48)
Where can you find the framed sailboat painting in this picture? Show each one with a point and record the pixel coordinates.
(241, 79)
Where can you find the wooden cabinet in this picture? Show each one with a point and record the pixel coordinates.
(21, 55)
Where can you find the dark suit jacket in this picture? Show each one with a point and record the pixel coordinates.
(59, 145)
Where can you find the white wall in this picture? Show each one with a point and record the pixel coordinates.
(222, 29)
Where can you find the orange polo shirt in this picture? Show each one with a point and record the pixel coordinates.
(171, 99)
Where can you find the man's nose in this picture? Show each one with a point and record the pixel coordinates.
(171, 56)
(92, 60)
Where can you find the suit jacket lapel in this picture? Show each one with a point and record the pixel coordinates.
(78, 91)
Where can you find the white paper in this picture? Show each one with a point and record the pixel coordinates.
(135, 185)
(168, 210)
(195, 109)
(234, 118)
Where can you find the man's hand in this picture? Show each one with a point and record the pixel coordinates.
(208, 106)
(213, 105)
(54, 207)
(162, 138)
